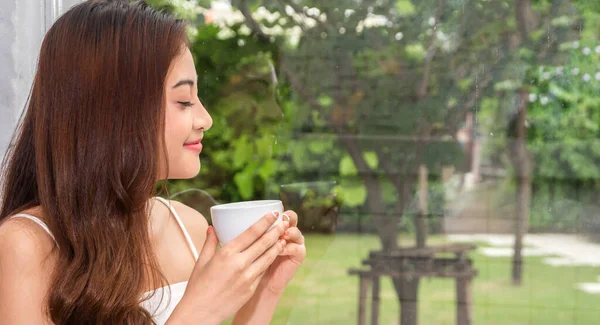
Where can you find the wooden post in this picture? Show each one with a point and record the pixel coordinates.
(421, 224)
(375, 301)
(362, 300)
(463, 301)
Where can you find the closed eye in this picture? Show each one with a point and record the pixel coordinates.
(186, 104)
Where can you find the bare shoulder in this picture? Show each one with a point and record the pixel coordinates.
(194, 222)
(27, 260)
(24, 242)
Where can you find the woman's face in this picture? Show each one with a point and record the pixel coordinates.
(186, 119)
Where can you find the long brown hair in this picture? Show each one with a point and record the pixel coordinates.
(86, 152)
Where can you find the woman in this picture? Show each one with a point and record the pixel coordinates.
(83, 240)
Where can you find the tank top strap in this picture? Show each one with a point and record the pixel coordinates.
(183, 229)
(38, 221)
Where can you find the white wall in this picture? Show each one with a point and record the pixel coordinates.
(23, 24)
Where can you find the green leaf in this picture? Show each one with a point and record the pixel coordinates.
(320, 146)
(563, 21)
(267, 169)
(352, 192)
(347, 167)
(507, 85)
(325, 100)
(526, 53)
(405, 8)
(242, 153)
(371, 159)
(389, 192)
(244, 182)
(415, 52)
(299, 155)
(465, 83)
(264, 146)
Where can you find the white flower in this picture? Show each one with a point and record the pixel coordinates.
(431, 21)
(225, 33)
(244, 30)
(360, 27)
(532, 97)
(399, 36)
(342, 30)
(597, 49)
(289, 10)
(597, 76)
(575, 45)
(546, 75)
(575, 71)
(559, 70)
(375, 21)
(241, 42)
(587, 77)
(586, 51)
(275, 30)
(309, 22)
(313, 12)
(544, 100)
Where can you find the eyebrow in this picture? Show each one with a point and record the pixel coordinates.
(184, 82)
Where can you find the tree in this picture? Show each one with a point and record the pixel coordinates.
(383, 73)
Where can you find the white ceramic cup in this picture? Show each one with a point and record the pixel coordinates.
(232, 219)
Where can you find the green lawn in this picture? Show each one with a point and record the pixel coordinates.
(323, 293)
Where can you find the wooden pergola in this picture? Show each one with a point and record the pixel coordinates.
(416, 263)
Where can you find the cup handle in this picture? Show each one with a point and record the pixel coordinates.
(279, 218)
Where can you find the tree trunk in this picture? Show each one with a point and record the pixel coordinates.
(523, 168)
(421, 220)
(408, 292)
(387, 226)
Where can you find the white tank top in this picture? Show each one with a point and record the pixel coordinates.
(165, 299)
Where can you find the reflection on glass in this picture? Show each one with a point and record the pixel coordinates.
(463, 137)
(316, 202)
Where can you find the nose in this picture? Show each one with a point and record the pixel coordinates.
(202, 119)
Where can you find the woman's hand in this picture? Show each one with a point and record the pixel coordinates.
(283, 269)
(223, 281)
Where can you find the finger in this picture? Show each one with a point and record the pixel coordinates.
(265, 242)
(257, 280)
(293, 235)
(295, 252)
(293, 217)
(209, 248)
(261, 264)
(243, 241)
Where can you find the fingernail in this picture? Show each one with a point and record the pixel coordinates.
(283, 242)
(287, 217)
(276, 214)
(209, 230)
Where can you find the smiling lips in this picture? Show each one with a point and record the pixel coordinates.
(193, 145)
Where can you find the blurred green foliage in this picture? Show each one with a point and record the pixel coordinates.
(283, 101)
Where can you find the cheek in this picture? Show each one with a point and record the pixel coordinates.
(177, 130)
(176, 124)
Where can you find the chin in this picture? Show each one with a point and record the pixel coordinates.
(185, 172)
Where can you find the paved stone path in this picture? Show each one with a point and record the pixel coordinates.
(561, 249)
